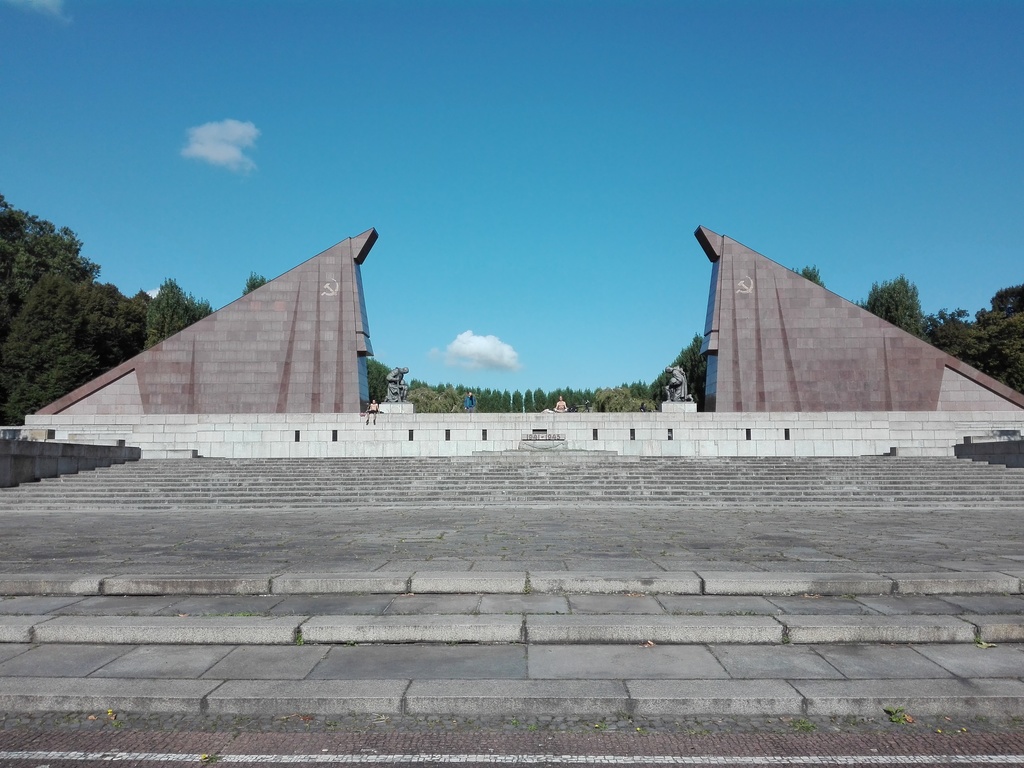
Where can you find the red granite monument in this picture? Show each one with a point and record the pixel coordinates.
(776, 341)
(297, 344)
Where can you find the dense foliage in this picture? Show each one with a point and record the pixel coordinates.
(993, 342)
(171, 311)
(896, 301)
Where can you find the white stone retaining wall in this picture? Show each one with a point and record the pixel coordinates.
(461, 434)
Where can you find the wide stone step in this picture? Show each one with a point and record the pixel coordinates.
(502, 697)
(703, 582)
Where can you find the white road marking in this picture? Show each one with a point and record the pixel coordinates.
(699, 760)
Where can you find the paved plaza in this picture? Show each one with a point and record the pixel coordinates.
(712, 603)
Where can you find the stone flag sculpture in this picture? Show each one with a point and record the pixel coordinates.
(776, 341)
(297, 344)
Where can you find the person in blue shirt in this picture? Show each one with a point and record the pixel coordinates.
(469, 402)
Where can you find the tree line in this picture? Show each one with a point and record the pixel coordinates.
(639, 395)
(60, 327)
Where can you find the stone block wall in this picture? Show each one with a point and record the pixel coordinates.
(910, 433)
(25, 461)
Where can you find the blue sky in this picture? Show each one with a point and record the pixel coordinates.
(535, 169)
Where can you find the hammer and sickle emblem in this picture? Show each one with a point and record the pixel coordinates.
(746, 285)
(330, 288)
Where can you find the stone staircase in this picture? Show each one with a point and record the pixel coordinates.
(487, 480)
(423, 639)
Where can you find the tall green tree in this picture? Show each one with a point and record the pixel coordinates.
(993, 343)
(528, 406)
(1002, 329)
(377, 378)
(253, 282)
(171, 311)
(427, 399)
(617, 400)
(115, 325)
(812, 274)
(896, 301)
(47, 353)
(956, 334)
(30, 248)
(540, 400)
(517, 402)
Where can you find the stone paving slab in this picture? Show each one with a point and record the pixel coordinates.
(40, 694)
(161, 662)
(223, 605)
(820, 605)
(79, 660)
(10, 650)
(425, 605)
(165, 629)
(906, 605)
(616, 662)
(794, 583)
(878, 629)
(517, 697)
(35, 605)
(119, 606)
(332, 605)
(524, 604)
(721, 605)
(881, 662)
(982, 604)
(773, 662)
(615, 604)
(433, 661)
(983, 698)
(316, 697)
(267, 662)
(658, 629)
(413, 629)
(774, 698)
(975, 661)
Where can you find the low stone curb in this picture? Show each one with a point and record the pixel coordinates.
(538, 629)
(981, 697)
(718, 583)
(413, 629)
(878, 629)
(140, 630)
(639, 629)
(597, 698)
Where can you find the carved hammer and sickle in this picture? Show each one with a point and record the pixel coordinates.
(746, 285)
(330, 288)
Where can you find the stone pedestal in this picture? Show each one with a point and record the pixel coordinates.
(397, 408)
(668, 407)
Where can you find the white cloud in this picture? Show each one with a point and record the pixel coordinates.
(476, 352)
(53, 8)
(222, 144)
